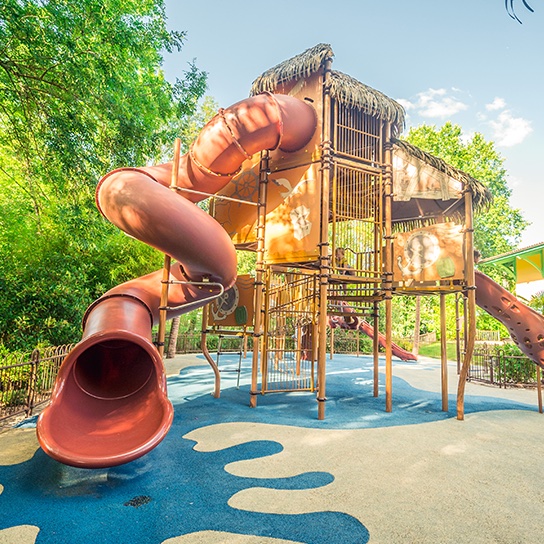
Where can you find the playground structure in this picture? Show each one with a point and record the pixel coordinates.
(308, 166)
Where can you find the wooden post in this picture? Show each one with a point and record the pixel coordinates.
(376, 350)
(417, 326)
(443, 353)
(167, 259)
(259, 273)
(539, 387)
(470, 315)
(388, 269)
(324, 259)
(457, 333)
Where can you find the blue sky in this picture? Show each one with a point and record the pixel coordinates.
(464, 61)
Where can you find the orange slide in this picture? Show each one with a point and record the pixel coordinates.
(525, 325)
(109, 404)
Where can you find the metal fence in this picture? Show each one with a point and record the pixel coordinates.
(497, 367)
(26, 382)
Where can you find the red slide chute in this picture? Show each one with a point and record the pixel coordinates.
(109, 404)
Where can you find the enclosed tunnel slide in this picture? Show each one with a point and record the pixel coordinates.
(109, 404)
(525, 325)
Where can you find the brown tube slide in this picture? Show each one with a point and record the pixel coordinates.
(525, 325)
(109, 405)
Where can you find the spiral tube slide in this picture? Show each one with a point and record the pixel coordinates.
(525, 325)
(109, 405)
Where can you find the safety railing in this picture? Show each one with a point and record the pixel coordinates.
(26, 381)
(496, 367)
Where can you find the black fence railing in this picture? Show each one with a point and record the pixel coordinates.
(497, 367)
(26, 382)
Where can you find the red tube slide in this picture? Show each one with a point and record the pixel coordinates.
(525, 325)
(109, 404)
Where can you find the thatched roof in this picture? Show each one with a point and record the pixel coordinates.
(482, 198)
(418, 212)
(355, 94)
(344, 88)
(293, 69)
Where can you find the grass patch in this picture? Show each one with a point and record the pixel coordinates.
(434, 351)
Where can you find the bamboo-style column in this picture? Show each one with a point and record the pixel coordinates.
(443, 353)
(539, 387)
(167, 259)
(259, 271)
(378, 225)
(458, 332)
(376, 350)
(324, 258)
(470, 314)
(388, 268)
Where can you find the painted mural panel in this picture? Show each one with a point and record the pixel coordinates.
(431, 253)
(234, 308)
(293, 227)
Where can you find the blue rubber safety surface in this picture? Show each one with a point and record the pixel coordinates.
(175, 490)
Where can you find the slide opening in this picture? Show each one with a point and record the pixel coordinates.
(113, 369)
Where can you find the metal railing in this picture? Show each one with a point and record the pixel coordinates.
(26, 382)
(497, 367)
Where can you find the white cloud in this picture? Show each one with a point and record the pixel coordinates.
(497, 104)
(406, 104)
(439, 103)
(509, 130)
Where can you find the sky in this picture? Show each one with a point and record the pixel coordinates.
(464, 61)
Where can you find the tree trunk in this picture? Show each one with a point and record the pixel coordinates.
(174, 330)
(415, 348)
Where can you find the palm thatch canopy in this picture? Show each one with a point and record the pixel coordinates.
(343, 88)
(420, 209)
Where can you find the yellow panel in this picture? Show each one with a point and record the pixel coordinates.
(529, 269)
(293, 227)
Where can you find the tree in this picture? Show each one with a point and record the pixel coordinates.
(81, 93)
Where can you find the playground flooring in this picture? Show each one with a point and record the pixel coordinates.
(227, 473)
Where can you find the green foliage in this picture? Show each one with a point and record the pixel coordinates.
(82, 92)
(247, 262)
(537, 302)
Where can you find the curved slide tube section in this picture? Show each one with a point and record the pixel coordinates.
(525, 325)
(109, 405)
